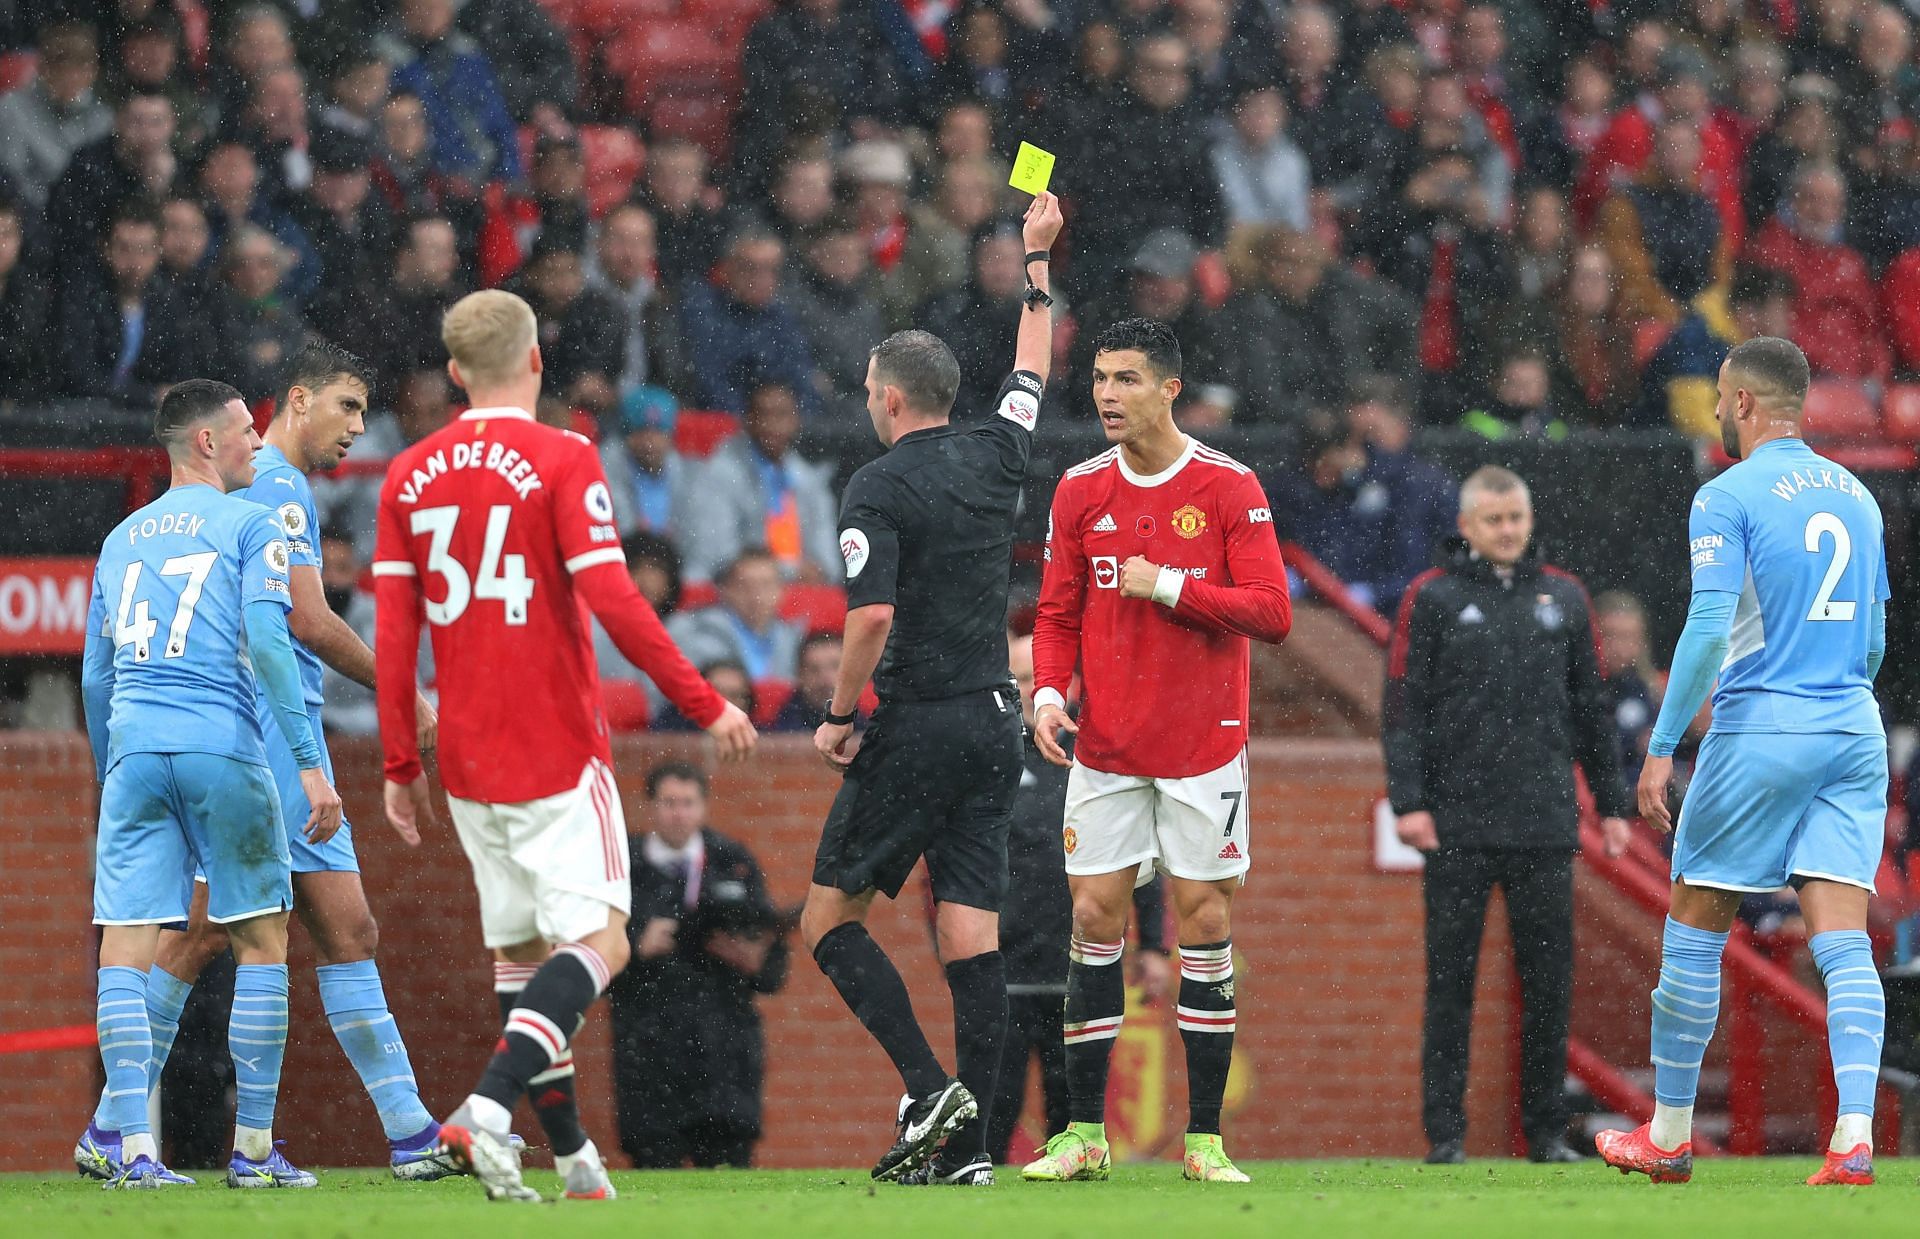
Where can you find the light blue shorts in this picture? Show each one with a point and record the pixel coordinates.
(1767, 807)
(162, 815)
(336, 854)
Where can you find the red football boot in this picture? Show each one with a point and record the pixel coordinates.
(1853, 1168)
(1631, 1151)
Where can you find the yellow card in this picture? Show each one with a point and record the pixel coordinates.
(1032, 169)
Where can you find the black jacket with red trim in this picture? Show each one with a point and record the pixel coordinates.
(1493, 693)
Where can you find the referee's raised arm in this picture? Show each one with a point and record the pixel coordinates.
(1033, 348)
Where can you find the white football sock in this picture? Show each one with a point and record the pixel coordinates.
(1672, 1126)
(588, 1154)
(134, 1146)
(495, 1118)
(253, 1143)
(1850, 1131)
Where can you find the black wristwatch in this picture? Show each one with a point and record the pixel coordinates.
(1037, 297)
(841, 720)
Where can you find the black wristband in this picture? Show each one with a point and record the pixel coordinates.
(1037, 256)
(841, 720)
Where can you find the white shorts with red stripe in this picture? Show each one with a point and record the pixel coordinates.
(548, 868)
(1194, 827)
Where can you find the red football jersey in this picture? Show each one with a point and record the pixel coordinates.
(1163, 688)
(495, 531)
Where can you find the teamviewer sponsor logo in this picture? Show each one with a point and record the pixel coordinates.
(1106, 571)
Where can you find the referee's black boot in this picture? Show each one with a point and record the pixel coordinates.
(949, 1168)
(1554, 1149)
(1447, 1153)
(923, 1125)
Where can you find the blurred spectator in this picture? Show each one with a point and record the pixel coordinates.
(964, 133)
(1629, 681)
(121, 336)
(816, 47)
(1088, 89)
(1151, 136)
(979, 322)
(1556, 142)
(255, 331)
(979, 64)
(1836, 309)
(350, 228)
(728, 677)
(1681, 82)
(1367, 26)
(403, 170)
(1883, 213)
(818, 668)
(529, 56)
(690, 228)
(1878, 82)
(23, 313)
(757, 491)
(1264, 179)
(398, 326)
(1759, 86)
(184, 242)
(1679, 384)
(256, 40)
(803, 196)
(1592, 357)
(53, 116)
(474, 139)
(939, 237)
(624, 265)
(833, 299)
(135, 161)
(1341, 322)
(583, 341)
(552, 214)
(150, 60)
(745, 625)
(275, 126)
(1663, 234)
(654, 566)
(651, 483)
(350, 706)
(1805, 129)
(876, 175)
(689, 1057)
(1159, 285)
(230, 188)
(1422, 498)
(1522, 402)
(355, 92)
(1501, 97)
(1338, 125)
(1541, 250)
(740, 331)
(1206, 27)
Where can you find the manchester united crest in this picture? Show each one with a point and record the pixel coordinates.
(1070, 839)
(1189, 522)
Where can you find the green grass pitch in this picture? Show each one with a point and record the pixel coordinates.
(1752, 1199)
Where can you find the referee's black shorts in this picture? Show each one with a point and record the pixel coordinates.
(934, 779)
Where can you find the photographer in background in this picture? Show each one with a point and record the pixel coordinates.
(689, 1057)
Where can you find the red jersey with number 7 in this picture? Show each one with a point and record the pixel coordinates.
(495, 531)
(1164, 679)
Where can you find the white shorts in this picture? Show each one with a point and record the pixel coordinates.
(548, 868)
(1196, 827)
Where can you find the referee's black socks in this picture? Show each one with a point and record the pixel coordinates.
(872, 989)
(979, 986)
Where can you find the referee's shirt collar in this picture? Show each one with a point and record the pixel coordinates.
(925, 432)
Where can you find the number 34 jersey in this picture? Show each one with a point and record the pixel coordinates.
(170, 591)
(1800, 541)
(496, 525)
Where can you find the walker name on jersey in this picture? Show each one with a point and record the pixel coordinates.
(183, 523)
(479, 454)
(1791, 484)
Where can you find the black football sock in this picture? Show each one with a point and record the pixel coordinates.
(1206, 1019)
(1096, 1001)
(872, 989)
(543, 1021)
(979, 986)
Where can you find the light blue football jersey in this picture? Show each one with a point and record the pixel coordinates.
(1800, 541)
(170, 591)
(280, 486)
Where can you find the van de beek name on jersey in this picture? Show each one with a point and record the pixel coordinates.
(478, 454)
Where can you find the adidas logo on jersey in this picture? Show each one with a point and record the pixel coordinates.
(1105, 524)
(1231, 851)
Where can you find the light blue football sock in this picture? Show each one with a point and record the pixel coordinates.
(1686, 1004)
(166, 999)
(126, 1048)
(1856, 1014)
(356, 1006)
(257, 1037)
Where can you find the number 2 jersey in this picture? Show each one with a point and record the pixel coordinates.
(494, 531)
(170, 591)
(1800, 542)
(1163, 689)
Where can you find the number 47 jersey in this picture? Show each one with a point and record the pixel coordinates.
(493, 531)
(170, 591)
(1799, 540)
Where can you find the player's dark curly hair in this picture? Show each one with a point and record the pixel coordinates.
(320, 362)
(1144, 335)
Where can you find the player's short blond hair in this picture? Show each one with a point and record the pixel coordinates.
(1490, 480)
(489, 335)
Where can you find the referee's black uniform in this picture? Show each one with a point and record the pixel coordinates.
(928, 528)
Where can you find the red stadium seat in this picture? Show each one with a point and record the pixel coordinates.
(730, 19)
(613, 16)
(1211, 279)
(625, 702)
(769, 698)
(1647, 339)
(1900, 413)
(658, 58)
(1839, 409)
(17, 69)
(614, 157)
(700, 431)
(822, 608)
(704, 118)
(697, 594)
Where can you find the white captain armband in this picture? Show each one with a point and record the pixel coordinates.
(1048, 697)
(1167, 585)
